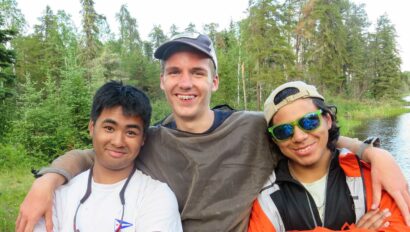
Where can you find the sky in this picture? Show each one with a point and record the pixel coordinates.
(182, 12)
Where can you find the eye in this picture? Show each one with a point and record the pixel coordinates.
(109, 129)
(132, 133)
(199, 73)
(173, 72)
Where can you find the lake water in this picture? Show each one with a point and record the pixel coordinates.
(395, 137)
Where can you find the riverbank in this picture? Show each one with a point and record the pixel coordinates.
(352, 113)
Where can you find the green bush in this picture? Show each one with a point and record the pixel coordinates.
(12, 156)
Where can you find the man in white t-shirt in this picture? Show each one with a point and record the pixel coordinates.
(113, 195)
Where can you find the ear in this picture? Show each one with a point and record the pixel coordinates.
(143, 140)
(91, 127)
(328, 120)
(215, 83)
(161, 83)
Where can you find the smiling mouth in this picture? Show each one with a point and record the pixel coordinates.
(116, 154)
(304, 150)
(185, 97)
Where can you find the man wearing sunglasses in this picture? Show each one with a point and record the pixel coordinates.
(315, 186)
(113, 195)
(215, 160)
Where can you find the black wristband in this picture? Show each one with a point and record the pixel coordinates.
(369, 142)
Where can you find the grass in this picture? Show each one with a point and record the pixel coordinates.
(14, 184)
(352, 113)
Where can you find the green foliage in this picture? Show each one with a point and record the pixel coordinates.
(52, 120)
(157, 36)
(15, 180)
(386, 60)
(352, 113)
(7, 78)
(160, 109)
(13, 18)
(228, 52)
(7, 59)
(58, 69)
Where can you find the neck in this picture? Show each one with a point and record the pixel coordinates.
(103, 175)
(196, 125)
(310, 173)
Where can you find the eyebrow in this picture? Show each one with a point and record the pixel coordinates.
(199, 69)
(172, 68)
(108, 120)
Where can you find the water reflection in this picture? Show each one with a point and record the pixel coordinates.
(395, 137)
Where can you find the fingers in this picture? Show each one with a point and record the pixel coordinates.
(37, 203)
(377, 192)
(366, 218)
(374, 219)
(379, 219)
(406, 215)
(49, 220)
(402, 201)
(29, 227)
(20, 223)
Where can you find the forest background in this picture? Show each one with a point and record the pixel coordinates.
(48, 76)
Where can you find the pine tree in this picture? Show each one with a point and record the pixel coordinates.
(173, 30)
(269, 58)
(191, 28)
(7, 77)
(356, 67)
(92, 45)
(386, 60)
(7, 59)
(157, 36)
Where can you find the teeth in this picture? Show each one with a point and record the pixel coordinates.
(303, 150)
(185, 97)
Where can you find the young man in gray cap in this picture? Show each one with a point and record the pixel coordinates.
(215, 161)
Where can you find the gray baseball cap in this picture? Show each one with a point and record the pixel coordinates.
(197, 41)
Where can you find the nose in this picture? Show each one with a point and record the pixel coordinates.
(185, 81)
(299, 135)
(117, 139)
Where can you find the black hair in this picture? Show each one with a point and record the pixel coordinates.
(334, 131)
(134, 102)
(331, 110)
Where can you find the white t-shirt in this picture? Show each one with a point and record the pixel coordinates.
(317, 190)
(150, 205)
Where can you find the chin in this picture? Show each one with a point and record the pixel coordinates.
(186, 114)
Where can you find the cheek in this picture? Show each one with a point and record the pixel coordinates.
(162, 83)
(283, 146)
(136, 144)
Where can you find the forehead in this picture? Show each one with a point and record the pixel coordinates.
(184, 56)
(119, 115)
(294, 110)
